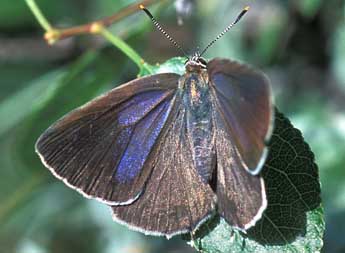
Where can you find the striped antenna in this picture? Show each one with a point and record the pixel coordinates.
(158, 26)
(244, 11)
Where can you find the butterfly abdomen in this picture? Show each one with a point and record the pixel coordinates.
(203, 148)
(199, 124)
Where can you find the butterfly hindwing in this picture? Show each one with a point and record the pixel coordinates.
(243, 100)
(241, 196)
(175, 200)
(100, 148)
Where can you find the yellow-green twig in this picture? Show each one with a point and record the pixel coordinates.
(124, 47)
(99, 27)
(39, 15)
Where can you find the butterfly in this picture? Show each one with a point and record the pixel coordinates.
(166, 151)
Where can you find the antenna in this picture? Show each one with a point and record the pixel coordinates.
(158, 26)
(244, 11)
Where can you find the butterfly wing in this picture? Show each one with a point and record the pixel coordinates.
(243, 117)
(100, 149)
(175, 200)
(241, 196)
(244, 102)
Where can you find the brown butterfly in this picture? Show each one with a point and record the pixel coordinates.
(166, 151)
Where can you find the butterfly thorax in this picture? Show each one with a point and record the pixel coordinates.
(198, 106)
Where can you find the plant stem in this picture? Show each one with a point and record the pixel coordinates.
(39, 15)
(124, 47)
(52, 34)
(85, 29)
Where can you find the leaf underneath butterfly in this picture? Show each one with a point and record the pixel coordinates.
(89, 148)
(293, 220)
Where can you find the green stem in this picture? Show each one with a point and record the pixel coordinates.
(53, 35)
(39, 15)
(125, 48)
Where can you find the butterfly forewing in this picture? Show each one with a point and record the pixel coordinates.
(100, 149)
(243, 101)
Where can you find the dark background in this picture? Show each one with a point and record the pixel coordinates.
(299, 44)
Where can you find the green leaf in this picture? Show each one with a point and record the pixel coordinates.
(309, 7)
(38, 93)
(293, 220)
(174, 65)
(29, 99)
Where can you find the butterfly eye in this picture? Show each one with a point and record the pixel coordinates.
(203, 61)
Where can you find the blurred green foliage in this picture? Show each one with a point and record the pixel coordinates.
(298, 44)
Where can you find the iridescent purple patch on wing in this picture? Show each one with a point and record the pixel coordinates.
(137, 107)
(140, 145)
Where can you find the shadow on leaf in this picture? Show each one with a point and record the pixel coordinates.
(292, 185)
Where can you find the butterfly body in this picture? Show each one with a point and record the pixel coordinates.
(197, 102)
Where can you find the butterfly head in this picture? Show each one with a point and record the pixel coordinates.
(195, 63)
